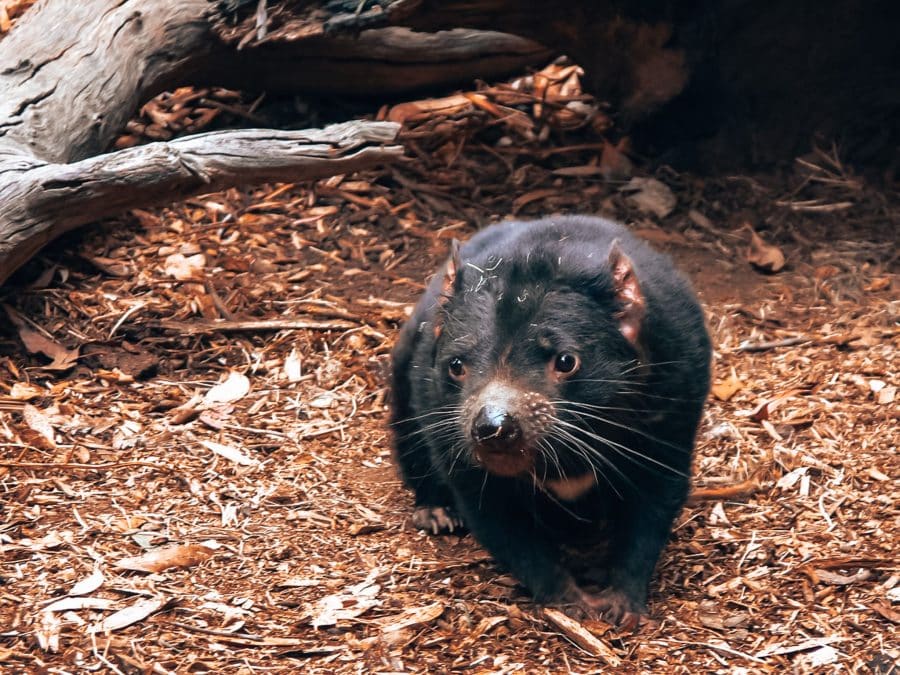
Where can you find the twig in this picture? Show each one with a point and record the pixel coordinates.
(582, 637)
(235, 110)
(75, 465)
(243, 638)
(721, 648)
(774, 344)
(201, 327)
(743, 489)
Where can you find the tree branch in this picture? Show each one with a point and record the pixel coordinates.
(39, 200)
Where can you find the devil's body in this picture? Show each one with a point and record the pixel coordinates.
(547, 390)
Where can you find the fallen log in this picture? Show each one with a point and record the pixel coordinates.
(39, 201)
(72, 74)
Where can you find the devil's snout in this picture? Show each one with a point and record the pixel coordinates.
(494, 426)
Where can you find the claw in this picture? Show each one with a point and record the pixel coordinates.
(437, 520)
(610, 605)
(617, 607)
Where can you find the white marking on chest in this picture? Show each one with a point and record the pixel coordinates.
(571, 488)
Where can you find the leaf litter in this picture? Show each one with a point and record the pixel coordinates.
(238, 400)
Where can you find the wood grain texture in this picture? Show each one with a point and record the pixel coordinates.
(41, 200)
(73, 73)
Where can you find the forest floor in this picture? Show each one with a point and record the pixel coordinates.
(185, 492)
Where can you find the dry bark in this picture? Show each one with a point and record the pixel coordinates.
(71, 75)
(39, 201)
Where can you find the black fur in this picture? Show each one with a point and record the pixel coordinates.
(525, 292)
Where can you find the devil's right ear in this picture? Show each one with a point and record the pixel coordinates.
(451, 270)
(448, 284)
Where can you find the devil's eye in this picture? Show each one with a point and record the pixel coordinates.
(457, 368)
(565, 363)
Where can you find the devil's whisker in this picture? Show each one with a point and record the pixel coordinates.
(627, 427)
(624, 450)
(589, 453)
(579, 450)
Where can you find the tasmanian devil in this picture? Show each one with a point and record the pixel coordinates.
(546, 393)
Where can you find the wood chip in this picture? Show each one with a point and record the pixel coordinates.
(138, 611)
(582, 637)
(159, 559)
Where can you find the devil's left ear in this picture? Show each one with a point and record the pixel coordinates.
(629, 297)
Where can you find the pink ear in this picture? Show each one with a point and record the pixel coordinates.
(628, 294)
(451, 269)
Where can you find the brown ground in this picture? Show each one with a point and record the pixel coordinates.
(786, 561)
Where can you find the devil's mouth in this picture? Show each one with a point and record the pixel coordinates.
(505, 461)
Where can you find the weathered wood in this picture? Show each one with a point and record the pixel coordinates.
(40, 201)
(378, 63)
(71, 75)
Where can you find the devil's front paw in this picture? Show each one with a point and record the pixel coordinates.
(437, 520)
(610, 605)
(616, 607)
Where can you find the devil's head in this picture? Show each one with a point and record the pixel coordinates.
(531, 358)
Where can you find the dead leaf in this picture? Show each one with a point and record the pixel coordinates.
(711, 615)
(658, 235)
(579, 171)
(876, 474)
(886, 611)
(39, 423)
(62, 358)
(790, 479)
(418, 110)
(878, 284)
(138, 611)
(725, 389)
(414, 616)
(484, 626)
(819, 657)
(71, 604)
(299, 582)
(114, 268)
(887, 395)
(49, 541)
(235, 387)
(763, 256)
(614, 163)
(25, 391)
(359, 529)
(779, 649)
(293, 366)
(114, 375)
(230, 453)
(344, 606)
(762, 411)
(89, 584)
(185, 268)
(524, 200)
(166, 557)
(838, 579)
(814, 569)
(47, 632)
(650, 196)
